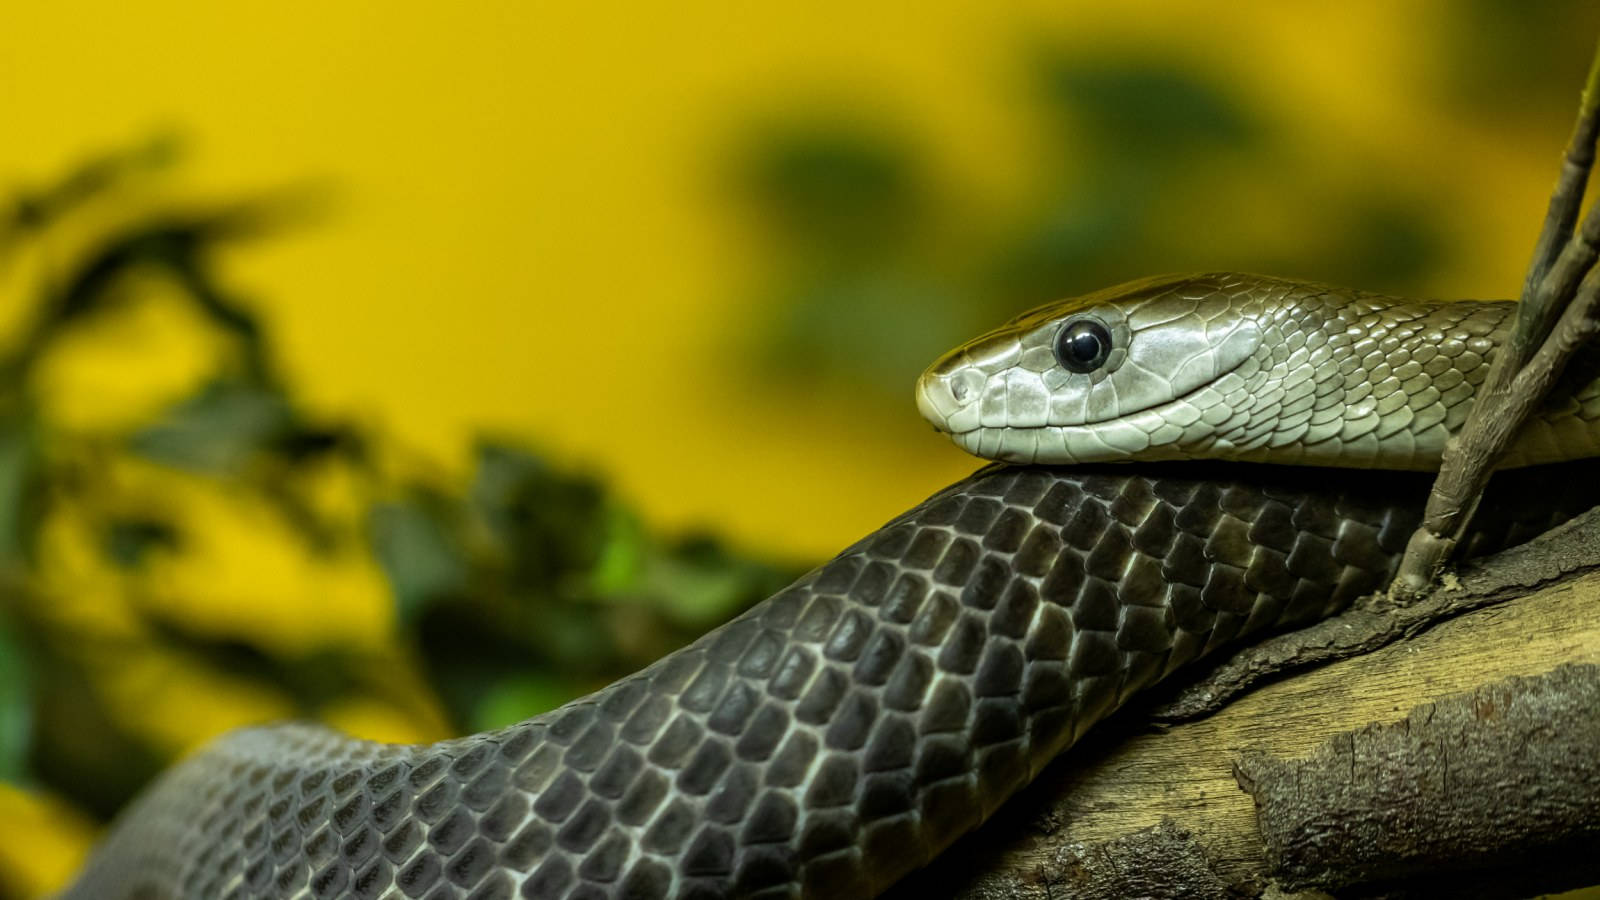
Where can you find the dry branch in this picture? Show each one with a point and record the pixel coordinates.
(1502, 780)
(1561, 287)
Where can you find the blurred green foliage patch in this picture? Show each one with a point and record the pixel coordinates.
(218, 430)
(1142, 110)
(1498, 56)
(879, 267)
(835, 187)
(415, 551)
(16, 697)
(17, 506)
(512, 591)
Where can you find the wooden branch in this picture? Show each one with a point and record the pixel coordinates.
(1559, 282)
(1142, 811)
(1488, 432)
(1566, 200)
(1495, 784)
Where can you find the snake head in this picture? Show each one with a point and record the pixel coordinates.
(1105, 376)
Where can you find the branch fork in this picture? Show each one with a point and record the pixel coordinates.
(1558, 312)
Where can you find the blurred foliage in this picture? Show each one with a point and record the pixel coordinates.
(1130, 145)
(189, 542)
(1501, 54)
(165, 576)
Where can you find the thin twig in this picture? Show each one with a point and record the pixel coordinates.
(1533, 356)
(1565, 202)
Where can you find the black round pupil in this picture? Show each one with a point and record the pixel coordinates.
(1085, 346)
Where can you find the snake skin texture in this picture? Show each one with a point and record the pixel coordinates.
(838, 734)
(1245, 367)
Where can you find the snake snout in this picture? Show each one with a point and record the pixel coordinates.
(944, 395)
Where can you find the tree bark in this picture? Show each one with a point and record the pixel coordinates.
(1454, 745)
(1501, 781)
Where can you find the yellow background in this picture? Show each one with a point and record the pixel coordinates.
(527, 235)
(526, 231)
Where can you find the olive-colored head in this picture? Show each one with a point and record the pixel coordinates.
(1097, 377)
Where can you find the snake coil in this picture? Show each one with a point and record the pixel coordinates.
(847, 729)
(835, 736)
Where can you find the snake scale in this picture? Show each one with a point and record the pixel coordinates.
(847, 729)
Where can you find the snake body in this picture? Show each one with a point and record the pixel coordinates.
(840, 733)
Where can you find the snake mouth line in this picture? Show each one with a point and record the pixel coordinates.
(968, 438)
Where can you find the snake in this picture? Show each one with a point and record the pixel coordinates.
(849, 728)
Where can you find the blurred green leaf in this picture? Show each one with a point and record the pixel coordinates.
(19, 505)
(80, 746)
(417, 553)
(1390, 246)
(551, 525)
(16, 706)
(473, 644)
(623, 553)
(1089, 237)
(696, 595)
(35, 210)
(844, 189)
(218, 430)
(870, 326)
(519, 697)
(127, 541)
(699, 583)
(1503, 55)
(502, 473)
(1134, 110)
(170, 245)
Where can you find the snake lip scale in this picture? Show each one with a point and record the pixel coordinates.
(998, 443)
(972, 439)
(850, 727)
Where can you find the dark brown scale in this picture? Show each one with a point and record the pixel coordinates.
(833, 737)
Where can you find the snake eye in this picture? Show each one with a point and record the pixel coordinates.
(1083, 345)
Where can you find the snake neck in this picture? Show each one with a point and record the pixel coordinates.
(1350, 379)
(1365, 380)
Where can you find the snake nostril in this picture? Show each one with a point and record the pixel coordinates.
(942, 396)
